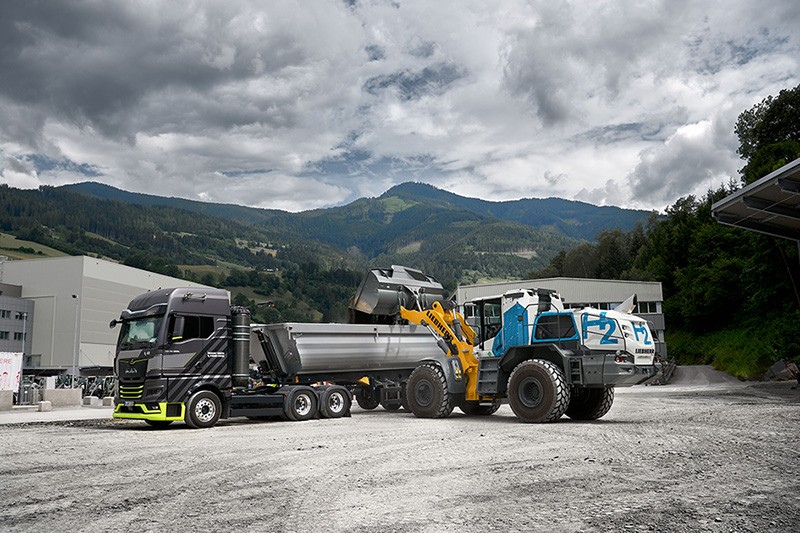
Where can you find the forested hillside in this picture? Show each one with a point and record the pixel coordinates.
(731, 296)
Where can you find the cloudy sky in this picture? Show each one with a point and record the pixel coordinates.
(299, 105)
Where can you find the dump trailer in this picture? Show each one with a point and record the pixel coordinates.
(525, 347)
(186, 354)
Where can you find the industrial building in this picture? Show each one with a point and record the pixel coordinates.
(69, 303)
(16, 315)
(580, 292)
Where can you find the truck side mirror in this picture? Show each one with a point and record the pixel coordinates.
(113, 323)
(175, 332)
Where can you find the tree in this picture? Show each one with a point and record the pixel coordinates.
(769, 134)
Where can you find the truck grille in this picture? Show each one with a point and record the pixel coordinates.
(131, 392)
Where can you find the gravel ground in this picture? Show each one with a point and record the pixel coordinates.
(721, 457)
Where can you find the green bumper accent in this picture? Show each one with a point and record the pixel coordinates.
(150, 411)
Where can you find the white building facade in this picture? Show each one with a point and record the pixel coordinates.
(75, 298)
(580, 292)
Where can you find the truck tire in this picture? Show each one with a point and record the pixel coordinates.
(203, 409)
(300, 404)
(538, 391)
(427, 394)
(471, 408)
(335, 402)
(590, 404)
(366, 399)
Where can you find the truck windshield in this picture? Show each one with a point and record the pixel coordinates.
(140, 332)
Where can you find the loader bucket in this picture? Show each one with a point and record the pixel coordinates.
(384, 290)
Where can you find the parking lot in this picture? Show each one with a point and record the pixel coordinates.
(685, 457)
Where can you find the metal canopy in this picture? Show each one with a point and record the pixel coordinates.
(770, 205)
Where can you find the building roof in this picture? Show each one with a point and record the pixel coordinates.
(573, 290)
(770, 205)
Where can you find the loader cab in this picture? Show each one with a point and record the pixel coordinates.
(519, 317)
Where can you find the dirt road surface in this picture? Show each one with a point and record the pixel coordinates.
(716, 457)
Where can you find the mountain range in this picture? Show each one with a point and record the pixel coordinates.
(456, 238)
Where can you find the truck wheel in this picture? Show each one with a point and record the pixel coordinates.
(159, 424)
(427, 392)
(590, 404)
(335, 402)
(203, 409)
(537, 391)
(471, 408)
(301, 404)
(366, 399)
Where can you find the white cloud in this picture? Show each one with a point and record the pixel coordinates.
(622, 103)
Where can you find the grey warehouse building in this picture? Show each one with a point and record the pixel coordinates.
(71, 301)
(16, 320)
(581, 292)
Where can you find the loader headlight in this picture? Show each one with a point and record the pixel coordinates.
(456, 365)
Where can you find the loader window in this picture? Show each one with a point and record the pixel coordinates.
(555, 326)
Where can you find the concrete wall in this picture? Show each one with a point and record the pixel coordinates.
(62, 397)
(6, 400)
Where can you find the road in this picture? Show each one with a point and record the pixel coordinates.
(720, 457)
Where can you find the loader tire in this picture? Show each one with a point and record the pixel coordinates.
(590, 404)
(203, 409)
(366, 399)
(427, 393)
(538, 391)
(471, 408)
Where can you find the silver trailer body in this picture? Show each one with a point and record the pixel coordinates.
(346, 348)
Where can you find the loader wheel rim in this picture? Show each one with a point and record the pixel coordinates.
(530, 392)
(302, 405)
(423, 393)
(205, 410)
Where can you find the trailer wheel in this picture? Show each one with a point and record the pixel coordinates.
(203, 409)
(427, 392)
(471, 408)
(366, 399)
(538, 391)
(335, 402)
(158, 424)
(590, 404)
(301, 404)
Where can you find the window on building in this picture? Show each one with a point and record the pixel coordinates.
(5, 313)
(20, 315)
(18, 335)
(647, 307)
(3, 335)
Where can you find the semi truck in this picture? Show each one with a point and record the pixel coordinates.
(186, 354)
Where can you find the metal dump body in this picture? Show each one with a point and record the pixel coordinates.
(340, 348)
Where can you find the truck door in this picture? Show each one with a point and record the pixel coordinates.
(194, 346)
